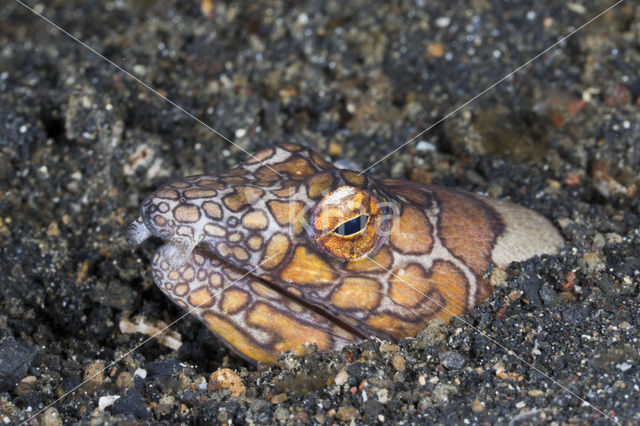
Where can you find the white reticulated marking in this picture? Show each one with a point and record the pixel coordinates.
(338, 196)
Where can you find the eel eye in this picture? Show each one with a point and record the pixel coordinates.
(348, 223)
(352, 226)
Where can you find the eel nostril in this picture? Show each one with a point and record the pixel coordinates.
(177, 251)
(137, 232)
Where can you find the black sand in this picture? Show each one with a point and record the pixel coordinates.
(81, 145)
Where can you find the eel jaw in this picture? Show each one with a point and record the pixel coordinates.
(178, 252)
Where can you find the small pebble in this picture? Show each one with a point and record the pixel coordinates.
(452, 360)
(277, 399)
(598, 240)
(443, 21)
(53, 230)
(613, 238)
(51, 417)
(301, 417)
(165, 406)
(498, 277)
(442, 392)
(593, 262)
(425, 146)
(140, 372)
(431, 335)
(436, 50)
(346, 413)
(226, 378)
(341, 378)
(383, 395)
(624, 366)
(26, 385)
(617, 96)
(398, 169)
(477, 406)
(206, 7)
(93, 375)
(335, 148)
(399, 363)
(106, 401)
(124, 380)
(388, 347)
(624, 325)
(281, 414)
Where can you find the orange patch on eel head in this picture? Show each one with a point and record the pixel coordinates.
(288, 213)
(186, 213)
(395, 326)
(307, 267)
(357, 293)
(288, 334)
(260, 156)
(234, 300)
(242, 197)
(201, 297)
(353, 178)
(199, 193)
(412, 287)
(295, 167)
(212, 210)
(238, 340)
(276, 250)
(318, 184)
(381, 261)
(412, 232)
(255, 220)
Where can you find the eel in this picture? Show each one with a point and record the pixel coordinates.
(287, 250)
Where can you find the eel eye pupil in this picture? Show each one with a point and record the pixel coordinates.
(352, 226)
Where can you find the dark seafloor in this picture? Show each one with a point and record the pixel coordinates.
(81, 145)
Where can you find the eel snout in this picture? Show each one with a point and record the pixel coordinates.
(177, 249)
(137, 232)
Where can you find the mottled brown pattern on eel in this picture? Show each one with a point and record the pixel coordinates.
(325, 256)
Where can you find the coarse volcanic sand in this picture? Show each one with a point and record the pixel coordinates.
(81, 144)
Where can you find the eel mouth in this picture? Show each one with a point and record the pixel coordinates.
(178, 254)
(342, 324)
